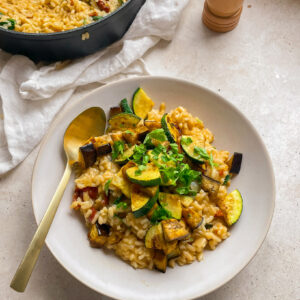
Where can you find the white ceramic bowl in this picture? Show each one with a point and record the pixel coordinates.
(106, 273)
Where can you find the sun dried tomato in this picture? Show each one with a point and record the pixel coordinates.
(103, 6)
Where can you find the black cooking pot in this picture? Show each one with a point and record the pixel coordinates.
(73, 43)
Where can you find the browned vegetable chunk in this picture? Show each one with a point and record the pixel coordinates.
(160, 261)
(130, 136)
(175, 253)
(210, 186)
(174, 230)
(104, 149)
(87, 155)
(192, 218)
(170, 247)
(114, 111)
(152, 124)
(98, 235)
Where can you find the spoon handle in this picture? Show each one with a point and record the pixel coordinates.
(25, 268)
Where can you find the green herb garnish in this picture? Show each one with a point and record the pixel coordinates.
(208, 225)
(122, 205)
(226, 179)
(106, 186)
(186, 140)
(157, 134)
(160, 214)
(118, 148)
(118, 200)
(128, 132)
(96, 18)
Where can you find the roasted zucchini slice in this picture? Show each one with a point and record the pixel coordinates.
(170, 129)
(160, 261)
(141, 203)
(235, 163)
(172, 203)
(87, 155)
(141, 103)
(210, 186)
(120, 181)
(192, 218)
(125, 106)
(98, 235)
(148, 177)
(174, 230)
(123, 121)
(188, 144)
(154, 238)
(125, 157)
(186, 201)
(232, 206)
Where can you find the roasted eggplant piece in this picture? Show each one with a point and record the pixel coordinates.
(210, 186)
(115, 110)
(142, 134)
(98, 235)
(87, 155)
(235, 163)
(174, 230)
(170, 247)
(173, 254)
(192, 218)
(104, 149)
(160, 261)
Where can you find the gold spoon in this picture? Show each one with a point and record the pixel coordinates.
(89, 123)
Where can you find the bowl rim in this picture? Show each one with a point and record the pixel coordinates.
(65, 110)
(66, 33)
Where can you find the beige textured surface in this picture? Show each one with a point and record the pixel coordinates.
(256, 67)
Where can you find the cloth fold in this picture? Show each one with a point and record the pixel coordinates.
(31, 95)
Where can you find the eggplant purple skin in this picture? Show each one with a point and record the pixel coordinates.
(115, 110)
(236, 163)
(141, 136)
(104, 149)
(89, 154)
(103, 230)
(210, 185)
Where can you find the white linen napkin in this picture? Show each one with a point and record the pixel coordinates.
(32, 95)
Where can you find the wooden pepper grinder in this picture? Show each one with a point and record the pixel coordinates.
(222, 15)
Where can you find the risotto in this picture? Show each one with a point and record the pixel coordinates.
(153, 189)
(46, 16)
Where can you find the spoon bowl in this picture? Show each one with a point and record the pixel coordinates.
(90, 122)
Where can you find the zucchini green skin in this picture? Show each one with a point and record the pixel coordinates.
(123, 121)
(172, 203)
(170, 131)
(125, 157)
(189, 149)
(125, 106)
(232, 207)
(147, 207)
(141, 103)
(148, 177)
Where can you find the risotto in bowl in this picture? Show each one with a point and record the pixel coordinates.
(153, 188)
(171, 202)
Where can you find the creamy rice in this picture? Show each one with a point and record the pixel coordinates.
(127, 233)
(47, 16)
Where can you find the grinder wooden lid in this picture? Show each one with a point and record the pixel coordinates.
(220, 24)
